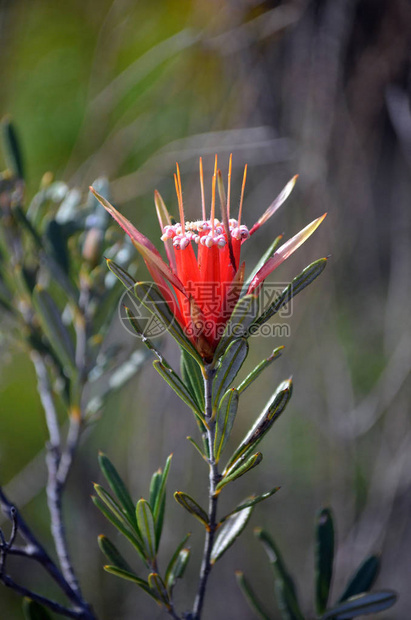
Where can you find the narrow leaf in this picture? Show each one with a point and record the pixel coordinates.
(174, 559)
(193, 378)
(34, 611)
(120, 525)
(12, 151)
(267, 254)
(187, 502)
(229, 532)
(112, 554)
(178, 569)
(155, 485)
(160, 502)
(240, 469)
(298, 284)
(123, 574)
(362, 605)
(252, 501)
(276, 204)
(324, 558)
(229, 366)
(254, 374)
(54, 328)
(125, 278)
(118, 487)
(250, 596)
(284, 586)
(224, 421)
(146, 526)
(363, 579)
(270, 414)
(178, 386)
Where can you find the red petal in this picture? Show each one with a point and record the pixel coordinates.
(276, 204)
(284, 252)
(148, 251)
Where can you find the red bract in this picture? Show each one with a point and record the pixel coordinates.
(204, 276)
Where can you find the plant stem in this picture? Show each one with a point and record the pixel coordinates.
(214, 478)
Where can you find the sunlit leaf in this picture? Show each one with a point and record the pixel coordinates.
(229, 532)
(145, 522)
(254, 374)
(117, 486)
(243, 466)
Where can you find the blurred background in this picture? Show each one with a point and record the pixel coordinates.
(315, 87)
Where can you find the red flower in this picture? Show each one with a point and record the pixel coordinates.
(204, 273)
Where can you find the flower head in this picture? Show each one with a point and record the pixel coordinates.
(204, 276)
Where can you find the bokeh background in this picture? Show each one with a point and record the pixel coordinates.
(318, 87)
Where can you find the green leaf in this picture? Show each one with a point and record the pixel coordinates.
(125, 278)
(242, 317)
(123, 574)
(158, 588)
(112, 554)
(229, 532)
(224, 421)
(34, 611)
(193, 378)
(54, 328)
(155, 303)
(11, 147)
(160, 502)
(171, 568)
(254, 374)
(120, 524)
(187, 502)
(251, 501)
(363, 579)
(298, 284)
(118, 487)
(250, 596)
(324, 558)
(270, 414)
(228, 368)
(362, 605)
(284, 586)
(57, 245)
(155, 485)
(178, 386)
(145, 522)
(197, 447)
(178, 569)
(241, 469)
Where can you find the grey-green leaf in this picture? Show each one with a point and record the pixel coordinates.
(254, 374)
(174, 559)
(363, 579)
(265, 421)
(225, 417)
(298, 284)
(123, 574)
(125, 278)
(362, 605)
(285, 591)
(178, 568)
(193, 377)
(243, 466)
(324, 558)
(229, 532)
(118, 487)
(178, 386)
(251, 501)
(254, 603)
(54, 328)
(228, 368)
(187, 502)
(145, 522)
(158, 587)
(112, 554)
(34, 611)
